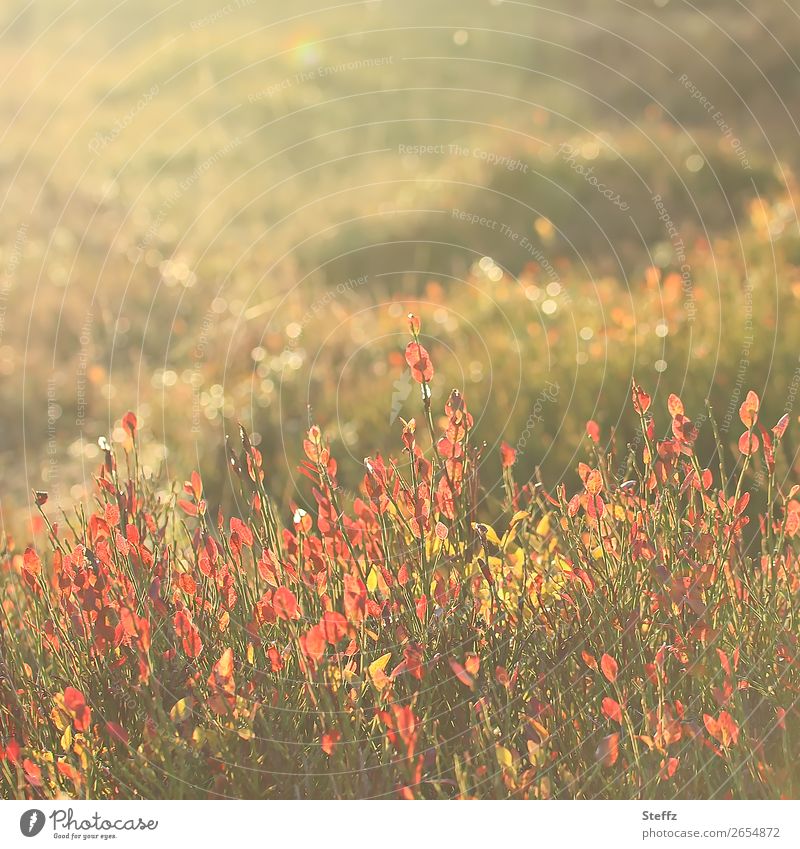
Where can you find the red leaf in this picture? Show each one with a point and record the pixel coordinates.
(329, 740)
(12, 751)
(508, 455)
(32, 772)
(594, 482)
(117, 732)
(741, 504)
(780, 427)
(69, 772)
(245, 534)
(608, 751)
(73, 699)
(334, 625)
(724, 729)
(612, 710)
(190, 637)
(609, 667)
(313, 643)
(683, 430)
(187, 507)
(668, 768)
(748, 412)
(31, 563)
(595, 507)
(748, 443)
(675, 406)
(463, 676)
(285, 604)
(641, 400)
(129, 423)
(75, 703)
(187, 583)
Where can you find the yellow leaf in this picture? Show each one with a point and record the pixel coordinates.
(504, 757)
(333, 676)
(543, 528)
(491, 535)
(180, 711)
(251, 654)
(489, 532)
(518, 517)
(376, 673)
(59, 714)
(372, 580)
(80, 751)
(379, 665)
(380, 680)
(66, 739)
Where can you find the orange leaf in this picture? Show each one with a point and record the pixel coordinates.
(463, 676)
(329, 740)
(223, 668)
(187, 583)
(612, 710)
(75, 703)
(780, 427)
(129, 423)
(31, 563)
(589, 660)
(748, 443)
(609, 667)
(724, 729)
(594, 482)
(641, 400)
(748, 412)
(187, 507)
(118, 732)
(334, 625)
(608, 751)
(285, 604)
(32, 772)
(313, 643)
(508, 455)
(419, 362)
(675, 406)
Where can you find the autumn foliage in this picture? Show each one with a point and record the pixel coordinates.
(424, 638)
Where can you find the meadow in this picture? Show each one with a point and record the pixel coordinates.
(618, 640)
(399, 410)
